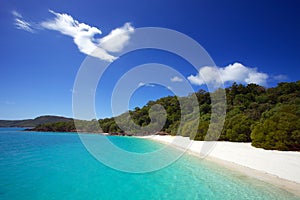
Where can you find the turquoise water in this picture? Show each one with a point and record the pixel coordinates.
(57, 166)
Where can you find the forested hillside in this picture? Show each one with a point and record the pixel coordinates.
(34, 122)
(269, 118)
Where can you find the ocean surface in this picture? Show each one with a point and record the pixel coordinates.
(35, 165)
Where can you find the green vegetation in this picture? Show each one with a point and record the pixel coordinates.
(269, 118)
(34, 122)
(69, 126)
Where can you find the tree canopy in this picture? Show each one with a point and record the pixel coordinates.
(267, 117)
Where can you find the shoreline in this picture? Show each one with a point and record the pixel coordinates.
(281, 169)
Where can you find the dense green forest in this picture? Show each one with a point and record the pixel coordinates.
(269, 118)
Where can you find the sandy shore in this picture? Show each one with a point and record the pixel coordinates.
(276, 167)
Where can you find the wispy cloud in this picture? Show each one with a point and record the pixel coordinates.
(145, 84)
(16, 14)
(236, 72)
(22, 24)
(84, 36)
(280, 77)
(176, 79)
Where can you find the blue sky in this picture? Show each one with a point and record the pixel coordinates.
(250, 41)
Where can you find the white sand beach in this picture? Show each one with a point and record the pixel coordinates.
(280, 168)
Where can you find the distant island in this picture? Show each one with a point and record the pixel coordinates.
(34, 122)
(267, 117)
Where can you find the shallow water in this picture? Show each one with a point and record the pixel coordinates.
(37, 165)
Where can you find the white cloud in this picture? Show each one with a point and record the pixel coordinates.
(280, 77)
(20, 23)
(145, 84)
(141, 84)
(16, 14)
(84, 36)
(176, 79)
(23, 25)
(236, 72)
(117, 38)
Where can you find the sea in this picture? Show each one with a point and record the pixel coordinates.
(45, 165)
